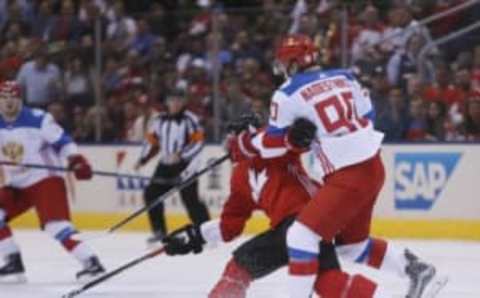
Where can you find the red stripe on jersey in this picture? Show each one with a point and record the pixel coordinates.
(277, 141)
(303, 268)
(70, 244)
(377, 252)
(328, 164)
(5, 233)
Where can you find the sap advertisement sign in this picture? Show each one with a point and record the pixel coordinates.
(421, 177)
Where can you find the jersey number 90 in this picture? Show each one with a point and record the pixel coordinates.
(346, 116)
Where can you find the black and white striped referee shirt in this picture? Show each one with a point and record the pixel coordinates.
(180, 133)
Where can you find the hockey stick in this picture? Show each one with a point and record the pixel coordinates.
(98, 173)
(163, 197)
(110, 274)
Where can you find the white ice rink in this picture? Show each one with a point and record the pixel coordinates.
(51, 271)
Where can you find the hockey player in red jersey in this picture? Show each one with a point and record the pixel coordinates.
(32, 136)
(329, 113)
(280, 188)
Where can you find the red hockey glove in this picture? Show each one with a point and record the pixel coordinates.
(240, 147)
(80, 167)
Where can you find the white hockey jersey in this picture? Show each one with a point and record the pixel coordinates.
(34, 137)
(335, 102)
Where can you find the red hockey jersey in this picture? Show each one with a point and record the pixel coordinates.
(279, 187)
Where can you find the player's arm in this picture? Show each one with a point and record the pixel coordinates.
(363, 102)
(285, 132)
(150, 146)
(235, 213)
(196, 138)
(65, 147)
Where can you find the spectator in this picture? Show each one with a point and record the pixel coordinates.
(10, 62)
(78, 88)
(111, 78)
(404, 63)
(130, 114)
(395, 119)
(442, 89)
(370, 34)
(66, 26)
(472, 119)
(57, 109)
(40, 80)
(43, 21)
(146, 115)
(143, 40)
(15, 25)
(121, 31)
(243, 48)
(379, 91)
(416, 126)
(436, 121)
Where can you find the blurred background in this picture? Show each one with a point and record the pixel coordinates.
(106, 65)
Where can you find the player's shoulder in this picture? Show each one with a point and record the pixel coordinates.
(30, 118)
(304, 78)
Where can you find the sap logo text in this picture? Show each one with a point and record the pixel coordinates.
(421, 177)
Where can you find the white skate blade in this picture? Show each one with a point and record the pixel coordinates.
(435, 286)
(18, 278)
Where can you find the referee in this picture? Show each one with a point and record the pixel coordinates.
(179, 138)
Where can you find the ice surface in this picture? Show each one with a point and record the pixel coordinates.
(51, 271)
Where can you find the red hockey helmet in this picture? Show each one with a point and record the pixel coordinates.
(9, 88)
(297, 51)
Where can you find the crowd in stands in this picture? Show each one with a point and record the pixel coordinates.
(224, 50)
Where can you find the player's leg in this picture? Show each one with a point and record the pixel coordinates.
(51, 203)
(12, 269)
(156, 215)
(334, 206)
(355, 245)
(254, 259)
(196, 209)
(339, 284)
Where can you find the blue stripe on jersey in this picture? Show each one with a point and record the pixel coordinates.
(27, 118)
(65, 234)
(305, 78)
(64, 140)
(371, 115)
(301, 255)
(275, 131)
(363, 256)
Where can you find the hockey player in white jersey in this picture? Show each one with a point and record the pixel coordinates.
(32, 136)
(329, 113)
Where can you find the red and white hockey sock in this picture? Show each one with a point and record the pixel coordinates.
(376, 253)
(337, 284)
(234, 282)
(303, 250)
(63, 231)
(7, 244)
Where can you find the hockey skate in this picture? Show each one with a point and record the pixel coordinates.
(92, 268)
(155, 240)
(13, 270)
(425, 281)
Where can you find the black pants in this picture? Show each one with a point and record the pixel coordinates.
(197, 211)
(267, 252)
